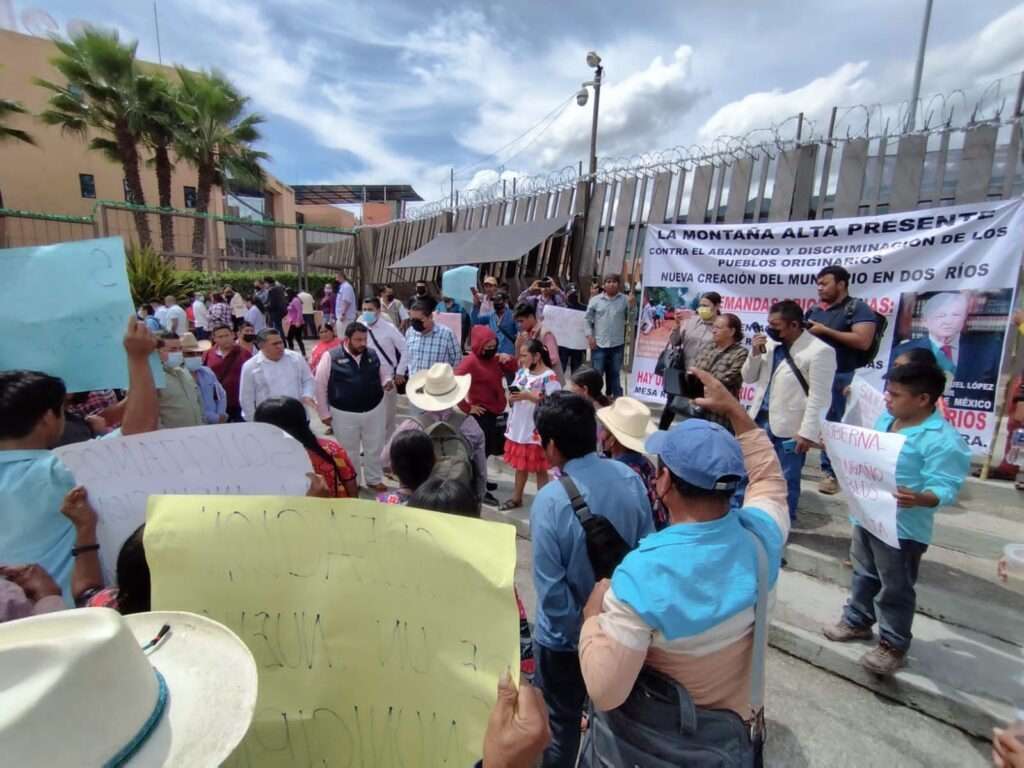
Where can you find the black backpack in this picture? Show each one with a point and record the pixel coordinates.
(605, 546)
(863, 357)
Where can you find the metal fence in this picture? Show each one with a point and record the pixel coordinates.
(817, 177)
(193, 241)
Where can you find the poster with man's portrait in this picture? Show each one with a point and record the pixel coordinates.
(964, 330)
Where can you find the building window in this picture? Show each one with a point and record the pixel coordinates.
(128, 197)
(87, 185)
(190, 197)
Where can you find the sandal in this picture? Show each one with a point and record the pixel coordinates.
(510, 504)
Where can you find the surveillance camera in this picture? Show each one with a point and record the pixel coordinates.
(581, 96)
(593, 60)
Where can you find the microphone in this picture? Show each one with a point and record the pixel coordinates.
(756, 328)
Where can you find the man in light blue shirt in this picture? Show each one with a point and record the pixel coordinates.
(929, 473)
(605, 324)
(562, 573)
(33, 482)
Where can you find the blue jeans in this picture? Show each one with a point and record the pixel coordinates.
(560, 679)
(608, 360)
(570, 358)
(792, 465)
(883, 586)
(836, 411)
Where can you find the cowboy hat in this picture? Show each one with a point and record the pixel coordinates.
(437, 388)
(629, 421)
(82, 687)
(189, 343)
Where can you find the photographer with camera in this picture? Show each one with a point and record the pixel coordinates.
(689, 339)
(794, 372)
(541, 293)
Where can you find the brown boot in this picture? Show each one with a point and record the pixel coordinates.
(841, 632)
(883, 659)
(828, 485)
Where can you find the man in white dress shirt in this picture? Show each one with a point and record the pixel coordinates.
(389, 344)
(345, 306)
(273, 372)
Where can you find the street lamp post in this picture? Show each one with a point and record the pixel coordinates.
(594, 61)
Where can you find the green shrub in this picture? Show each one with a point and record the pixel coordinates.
(242, 281)
(149, 275)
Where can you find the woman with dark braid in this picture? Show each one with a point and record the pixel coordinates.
(329, 459)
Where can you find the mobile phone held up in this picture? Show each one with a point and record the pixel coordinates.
(513, 390)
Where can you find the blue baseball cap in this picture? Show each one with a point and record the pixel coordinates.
(701, 452)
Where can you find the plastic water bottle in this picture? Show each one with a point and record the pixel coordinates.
(1016, 453)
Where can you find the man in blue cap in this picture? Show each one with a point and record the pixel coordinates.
(683, 602)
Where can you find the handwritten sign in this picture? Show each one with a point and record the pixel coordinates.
(456, 284)
(865, 404)
(865, 465)
(120, 474)
(452, 321)
(65, 310)
(567, 325)
(379, 631)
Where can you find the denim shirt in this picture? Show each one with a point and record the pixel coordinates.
(934, 458)
(562, 573)
(606, 319)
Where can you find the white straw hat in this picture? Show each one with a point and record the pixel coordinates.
(77, 688)
(438, 388)
(629, 421)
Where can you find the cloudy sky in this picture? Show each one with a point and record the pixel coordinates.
(401, 92)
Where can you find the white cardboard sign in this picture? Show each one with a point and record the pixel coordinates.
(567, 325)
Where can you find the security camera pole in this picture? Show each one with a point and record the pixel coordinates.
(593, 60)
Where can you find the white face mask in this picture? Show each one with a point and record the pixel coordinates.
(199, 297)
(193, 363)
(175, 359)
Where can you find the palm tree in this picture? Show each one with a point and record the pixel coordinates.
(8, 108)
(217, 139)
(164, 113)
(104, 92)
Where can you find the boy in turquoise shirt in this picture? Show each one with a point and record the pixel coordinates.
(929, 473)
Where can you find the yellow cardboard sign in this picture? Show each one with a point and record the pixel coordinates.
(379, 631)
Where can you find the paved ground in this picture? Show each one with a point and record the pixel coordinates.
(818, 719)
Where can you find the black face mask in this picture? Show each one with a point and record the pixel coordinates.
(772, 334)
(487, 354)
(421, 291)
(417, 325)
(499, 306)
(249, 337)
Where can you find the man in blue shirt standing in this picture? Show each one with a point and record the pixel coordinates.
(562, 573)
(929, 472)
(605, 323)
(499, 320)
(848, 326)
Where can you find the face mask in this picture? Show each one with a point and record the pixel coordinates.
(328, 291)
(199, 297)
(499, 306)
(417, 325)
(175, 359)
(369, 318)
(249, 337)
(772, 334)
(421, 291)
(487, 354)
(193, 363)
(533, 367)
(706, 313)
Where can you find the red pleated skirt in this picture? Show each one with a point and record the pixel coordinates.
(527, 458)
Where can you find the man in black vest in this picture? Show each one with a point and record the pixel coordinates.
(350, 387)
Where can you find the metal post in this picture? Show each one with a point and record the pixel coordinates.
(451, 191)
(300, 244)
(593, 125)
(915, 93)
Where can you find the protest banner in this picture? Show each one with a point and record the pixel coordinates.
(944, 278)
(452, 321)
(865, 465)
(121, 473)
(378, 631)
(67, 305)
(456, 283)
(865, 404)
(567, 326)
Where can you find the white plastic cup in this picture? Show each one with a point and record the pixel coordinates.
(1014, 554)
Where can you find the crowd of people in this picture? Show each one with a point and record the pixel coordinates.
(656, 551)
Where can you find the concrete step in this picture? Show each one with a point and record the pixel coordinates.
(961, 677)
